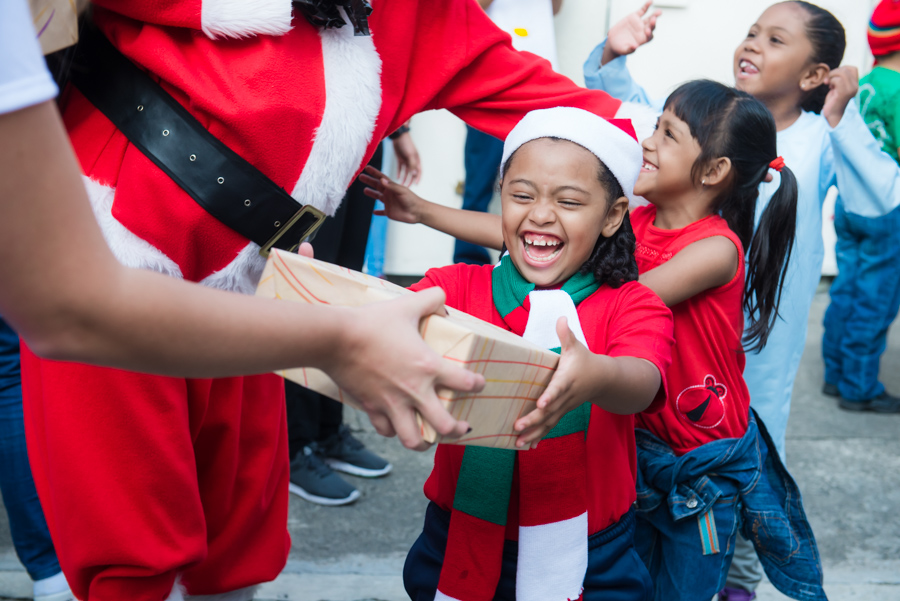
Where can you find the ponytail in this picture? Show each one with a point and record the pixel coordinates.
(767, 260)
(730, 123)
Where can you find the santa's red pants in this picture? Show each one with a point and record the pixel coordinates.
(144, 478)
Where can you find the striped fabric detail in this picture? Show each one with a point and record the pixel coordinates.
(709, 538)
(883, 32)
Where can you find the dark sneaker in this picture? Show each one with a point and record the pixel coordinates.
(345, 453)
(314, 481)
(736, 594)
(830, 390)
(883, 403)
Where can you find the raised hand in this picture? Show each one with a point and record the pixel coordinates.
(409, 165)
(843, 84)
(400, 203)
(629, 34)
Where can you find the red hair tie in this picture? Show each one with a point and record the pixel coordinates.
(777, 164)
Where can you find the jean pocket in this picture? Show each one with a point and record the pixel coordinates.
(771, 534)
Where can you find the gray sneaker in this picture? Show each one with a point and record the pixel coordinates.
(314, 481)
(344, 453)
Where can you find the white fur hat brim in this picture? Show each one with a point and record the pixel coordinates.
(617, 149)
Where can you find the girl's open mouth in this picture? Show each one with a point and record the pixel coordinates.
(648, 166)
(541, 248)
(747, 68)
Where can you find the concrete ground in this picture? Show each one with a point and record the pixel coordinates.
(847, 466)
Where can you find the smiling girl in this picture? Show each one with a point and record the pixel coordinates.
(555, 522)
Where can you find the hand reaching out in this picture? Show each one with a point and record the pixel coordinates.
(629, 34)
(400, 203)
(843, 84)
(568, 388)
(409, 165)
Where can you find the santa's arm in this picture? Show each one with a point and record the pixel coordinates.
(215, 18)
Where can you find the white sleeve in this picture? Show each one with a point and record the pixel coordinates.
(24, 79)
(868, 179)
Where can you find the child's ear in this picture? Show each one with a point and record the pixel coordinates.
(717, 171)
(814, 76)
(614, 217)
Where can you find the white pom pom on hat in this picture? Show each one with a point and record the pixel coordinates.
(613, 141)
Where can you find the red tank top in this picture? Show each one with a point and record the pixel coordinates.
(707, 396)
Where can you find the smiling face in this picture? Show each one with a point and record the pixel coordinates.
(554, 209)
(669, 156)
(773, 61)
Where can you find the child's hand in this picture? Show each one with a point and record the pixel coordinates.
(400, 203)
(409, 165)
(566, 390)
(630, 33)
(843, 84)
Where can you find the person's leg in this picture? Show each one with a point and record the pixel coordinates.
(482, 162)
(874, 309)
(422, 569)
(615, 571)
(842, 292)
(27, 526)
(745, 572)
(240, 445)
(113, 462)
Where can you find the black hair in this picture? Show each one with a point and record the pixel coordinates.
(826, 34)
(729, 123)
(612, 260)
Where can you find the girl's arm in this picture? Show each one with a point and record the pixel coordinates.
(404, 205)
(605, 68)
(622, 385)
(702, 265)
(70, 299)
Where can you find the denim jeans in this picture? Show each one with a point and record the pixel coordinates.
(865, 297)
(614, 573)
(482, 161)
(27, 526)
(690, 509)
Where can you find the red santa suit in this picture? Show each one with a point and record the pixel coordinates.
(146, 479)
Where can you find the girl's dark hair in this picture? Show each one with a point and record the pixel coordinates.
(826, 34)
(612, 260)
(730, 123)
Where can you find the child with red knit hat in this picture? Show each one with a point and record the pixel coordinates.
(865, 296)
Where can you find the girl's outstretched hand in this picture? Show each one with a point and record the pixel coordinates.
(409, 165)
(400, 203)
(566, 390)
(843, 84)
(629, 34)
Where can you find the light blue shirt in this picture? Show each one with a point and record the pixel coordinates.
(819, 156)
(24, 79)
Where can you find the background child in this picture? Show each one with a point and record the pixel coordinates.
(866, 293)
(790, 61)
(555, 521)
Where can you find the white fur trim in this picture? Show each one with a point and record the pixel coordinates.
(242, 274)
(352, 102)
(243, 18)
(180, 594)
(617, 150)
(130, 250)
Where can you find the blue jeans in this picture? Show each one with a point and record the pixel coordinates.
(482, 161)
(865, 297)
(691, 507)
(614, 573)
(27, 526)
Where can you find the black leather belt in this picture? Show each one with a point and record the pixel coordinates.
(228, 187)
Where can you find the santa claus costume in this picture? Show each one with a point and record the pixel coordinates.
(151, 481)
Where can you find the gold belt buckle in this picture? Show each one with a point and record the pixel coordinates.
(306, 209)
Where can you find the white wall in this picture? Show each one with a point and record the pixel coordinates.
(694, 39)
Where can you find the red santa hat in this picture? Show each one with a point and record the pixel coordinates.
(613, 141)
(884, 28)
